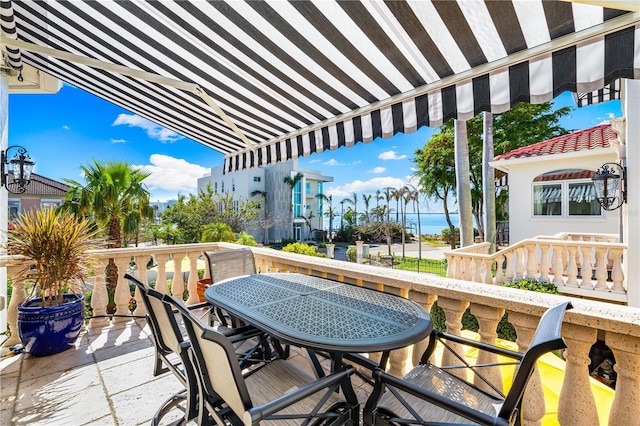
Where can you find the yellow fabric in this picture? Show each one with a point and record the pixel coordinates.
(551, 370)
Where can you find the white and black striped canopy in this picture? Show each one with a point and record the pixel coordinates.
(300, 77)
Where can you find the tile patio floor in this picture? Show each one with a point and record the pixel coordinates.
(106, 379)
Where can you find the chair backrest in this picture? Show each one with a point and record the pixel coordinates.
(547, 338)
(230, 263)
(164, 327)
(217, 361)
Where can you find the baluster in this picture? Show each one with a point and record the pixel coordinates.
(161, 281)
(192, 285)
(426, 300)
(478, 270)
(453, 310)
(177, 285)
(572, 267)
(533, 405)
(99, 297)
(509, 272)
(18, 296)
(451, 260)
(587, 268)
(499, 280)
(488, 319)
(519, 263)
(558, 268)
(577, 404)
(544, 262)
(123, 294)
(625, 408)
(601, 269)
(532, 261)
(466, 270)
(486, 265)
(617, 275)
(141, 309)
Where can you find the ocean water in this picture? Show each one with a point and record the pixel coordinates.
(430, 223)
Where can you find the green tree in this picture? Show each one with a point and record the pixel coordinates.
(353, 201)
(329, 212)
(218, 232)
(522, 125)
(115, 196)
(265, 212)
(366, 198)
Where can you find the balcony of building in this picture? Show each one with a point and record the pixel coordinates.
(107, 378)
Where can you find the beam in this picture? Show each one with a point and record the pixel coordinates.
(130, 72)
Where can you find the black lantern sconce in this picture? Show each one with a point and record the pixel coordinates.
(610, 183)
(20, 167)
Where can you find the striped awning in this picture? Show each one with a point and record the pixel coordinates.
(293, 78)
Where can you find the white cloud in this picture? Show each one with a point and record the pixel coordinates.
(171, 175)
(118, 140)
(610, 116)
(153, 130)
(314, 161)
(377, 170)
(65, 127)
(365, 187)
(333, 162)
(391, 155)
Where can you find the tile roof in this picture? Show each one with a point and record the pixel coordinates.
(595, 137)
(40, 185)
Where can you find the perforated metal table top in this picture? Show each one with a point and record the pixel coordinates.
(322, 314)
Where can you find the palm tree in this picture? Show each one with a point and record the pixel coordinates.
(329, 213)
(463, 183)
(116, 197)
(354, 202)
(265, 210)
(397, 195)
(342, 215)
(292, 182)
(388, 195)
(307, 221)
(367, 201)
(414, 195)
(404, 195)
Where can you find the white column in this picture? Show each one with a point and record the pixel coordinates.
(631, 110)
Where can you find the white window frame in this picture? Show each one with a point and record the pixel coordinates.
(564, 202)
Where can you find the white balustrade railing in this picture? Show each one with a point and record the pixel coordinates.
(586, 265)
(618, 326)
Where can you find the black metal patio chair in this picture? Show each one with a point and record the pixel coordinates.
(224, 264)
(171, 344)
(430, 395)
(278, 391)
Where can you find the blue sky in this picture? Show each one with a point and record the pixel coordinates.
(73, 127)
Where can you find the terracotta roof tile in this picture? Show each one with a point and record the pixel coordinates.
(40, 185)
(595, 137)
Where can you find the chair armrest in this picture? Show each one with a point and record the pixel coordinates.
(439, 335)
(383, 378)
(260, 412)
(198, 305)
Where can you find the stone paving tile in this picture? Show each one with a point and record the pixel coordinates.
(128, 376)
(124, 354)
(138, 404)
(61, 398)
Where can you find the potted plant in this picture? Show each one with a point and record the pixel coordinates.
(56, 246)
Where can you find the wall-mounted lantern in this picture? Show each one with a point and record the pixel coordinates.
(610, 183)
(20, 167)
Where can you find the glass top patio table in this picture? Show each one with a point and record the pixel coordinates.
(322, 314)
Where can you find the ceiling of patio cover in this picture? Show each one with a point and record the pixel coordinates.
(301, 77)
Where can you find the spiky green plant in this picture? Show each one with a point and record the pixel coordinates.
(57, 244)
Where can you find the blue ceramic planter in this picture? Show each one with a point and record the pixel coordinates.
(52, 329)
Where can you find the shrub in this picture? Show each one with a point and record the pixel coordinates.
(533, 285)
(352, 254)
(246, 239)
(300, 248)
